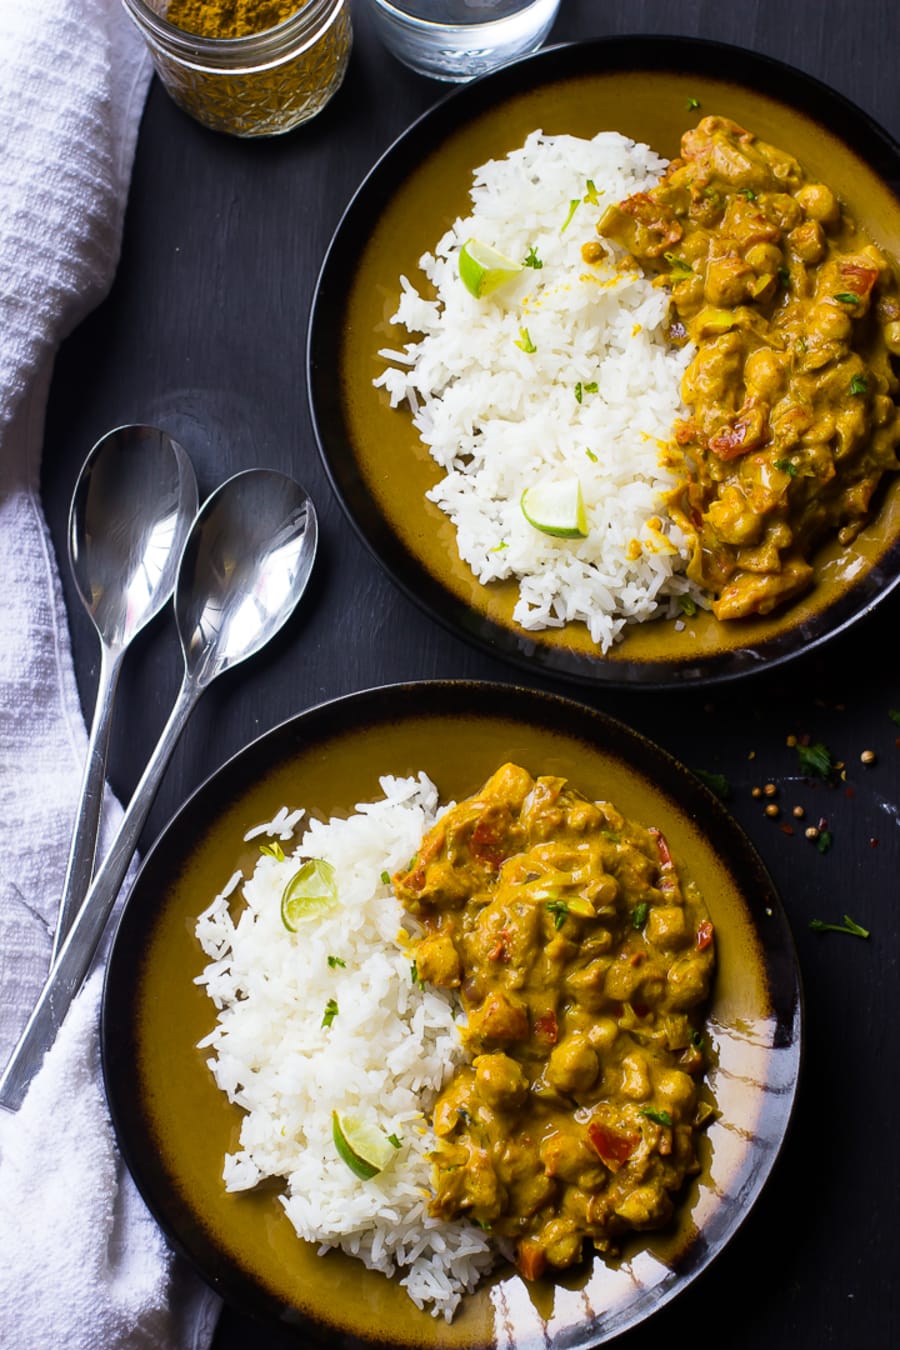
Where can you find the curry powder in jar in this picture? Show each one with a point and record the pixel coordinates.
(248, 69)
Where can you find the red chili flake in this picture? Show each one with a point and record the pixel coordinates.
(500, 951)
(531, 1259)
(873, 842)
(485, 842)
(850, 792)
(662, 847)
(636, 959)
(704, 935)
(787, 829)
(613, 1146)
(864, 278)
(546, 1027)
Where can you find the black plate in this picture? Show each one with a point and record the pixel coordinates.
(644, 87)
(174, 1125)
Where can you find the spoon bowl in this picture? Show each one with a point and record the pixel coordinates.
(245, 564)
(132, 507)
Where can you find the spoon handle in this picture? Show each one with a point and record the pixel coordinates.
(68, 972)
(83, 848)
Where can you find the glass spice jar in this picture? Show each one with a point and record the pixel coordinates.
(257, 84)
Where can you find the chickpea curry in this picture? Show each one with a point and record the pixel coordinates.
(792, 393)
(583, 961)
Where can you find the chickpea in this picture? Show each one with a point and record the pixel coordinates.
(764, 258)
(636, 1083)
(892, 337)
(573, 1065)
(808, 241)
(677, 1090)
(593, 252)
(687, 982)
(764, 374)
(829, 323)
(820, 204)
(603, 1033)
(500, 1081)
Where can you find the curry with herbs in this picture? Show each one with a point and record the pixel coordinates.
(583, 961)
(792, 393)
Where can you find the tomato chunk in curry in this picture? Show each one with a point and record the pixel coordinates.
(583, 962)
(792, 392)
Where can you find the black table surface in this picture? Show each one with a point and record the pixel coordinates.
(204, 332)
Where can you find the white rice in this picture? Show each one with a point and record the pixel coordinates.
(389, 1049)
(498, 419)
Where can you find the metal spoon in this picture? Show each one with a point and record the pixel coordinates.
(245, 565)
(133, 505)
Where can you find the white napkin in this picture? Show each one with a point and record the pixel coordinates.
(82, 1264)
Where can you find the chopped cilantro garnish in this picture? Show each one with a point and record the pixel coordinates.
(559, 909)
(859, 384)
(847, 298)
(894, 715)
(848, 926)
(498, 548)
(639, 916)
(784, 275)
(573, 207)
(414, 976)
(331, 1012)
(660, 1117)
(787, 466)
(273, 850)
(385, 877)
(335, 961)
(688, 605)
(395, 1140)
(592, 196)
(693, 104)
(748, 193)
(716, 782)
(591, 456)
(678, 264)
(816, 760)
(531, 259)
(579, 392)
(524, 341)
(823, 841)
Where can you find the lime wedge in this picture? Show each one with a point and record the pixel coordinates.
(557, 508)
(482, 269)
(310, 893)
(364, 1147)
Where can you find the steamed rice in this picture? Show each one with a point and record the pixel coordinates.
(499, 419)
(388, 1051)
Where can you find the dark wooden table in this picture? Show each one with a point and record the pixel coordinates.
(204, 332)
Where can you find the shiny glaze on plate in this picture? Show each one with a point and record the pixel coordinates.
(174, 1125)
(644, 88)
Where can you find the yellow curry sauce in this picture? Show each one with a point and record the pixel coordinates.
(792, 393)
(583, 961)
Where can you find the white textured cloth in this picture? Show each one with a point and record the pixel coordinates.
(82, 1264)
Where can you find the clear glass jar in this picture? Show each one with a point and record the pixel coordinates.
(261, 84)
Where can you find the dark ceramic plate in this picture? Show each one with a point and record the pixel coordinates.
(174, 1126)
(643, 87)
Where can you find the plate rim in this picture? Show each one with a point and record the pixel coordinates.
(782, 83)
(372, 707)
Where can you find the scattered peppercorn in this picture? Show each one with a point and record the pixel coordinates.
(770, 790)
(772, 811)
(867, 757)
(798, 813)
